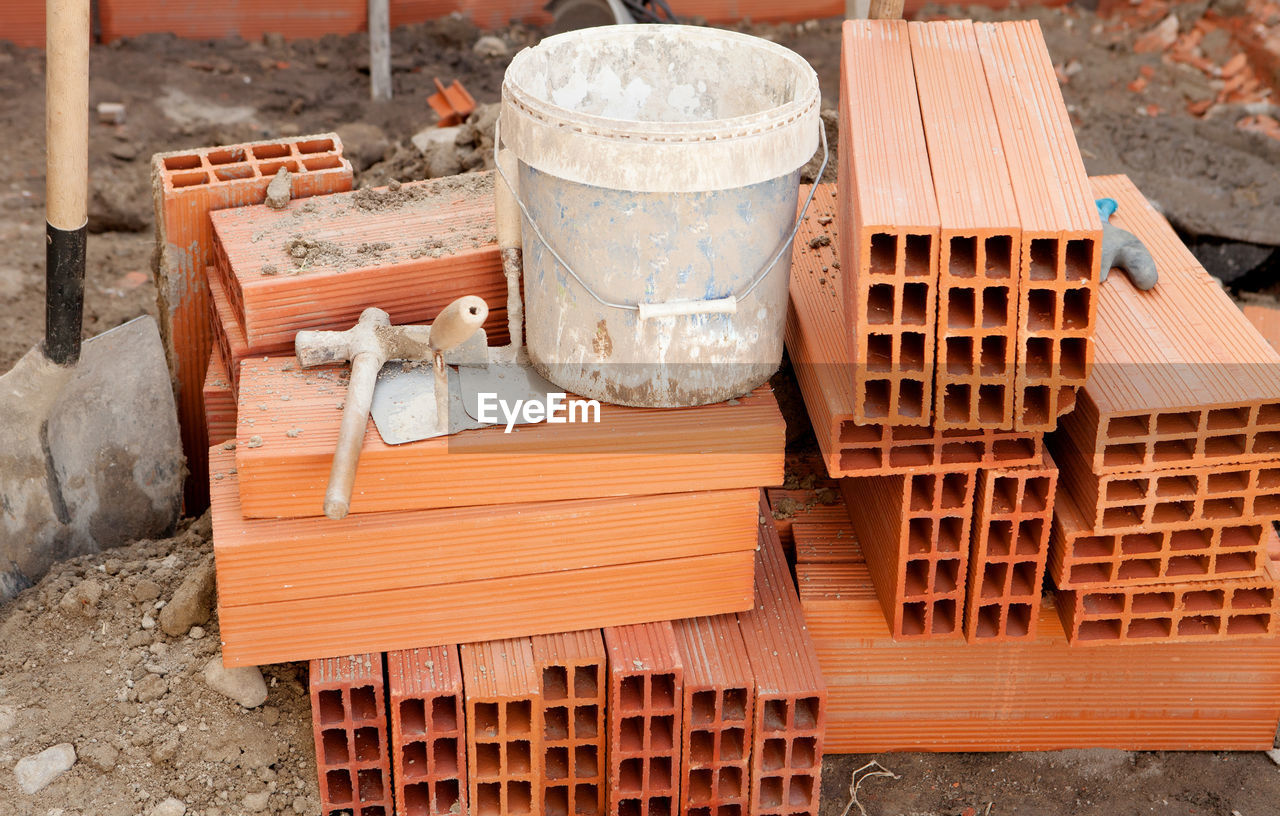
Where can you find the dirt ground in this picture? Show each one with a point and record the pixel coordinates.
(81, 657)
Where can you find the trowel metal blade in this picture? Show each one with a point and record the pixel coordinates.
(506, 381)
(404, 404)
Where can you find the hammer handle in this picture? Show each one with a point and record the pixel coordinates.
(355, 420)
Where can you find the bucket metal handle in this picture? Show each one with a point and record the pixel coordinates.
(647, 311)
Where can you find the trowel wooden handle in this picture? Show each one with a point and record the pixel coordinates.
(355, 420)
(506, 210)
(457, 321)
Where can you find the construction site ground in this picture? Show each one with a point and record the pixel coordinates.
(81, 657)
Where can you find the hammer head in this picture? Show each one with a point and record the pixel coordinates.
(315, 348)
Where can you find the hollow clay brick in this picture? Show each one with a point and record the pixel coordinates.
(219, 402)
(630, 451)
(719, 699)
(571, 667)
(791, 694)
(814, 336)
(188, 185)
(1061, 234)
(827, 541)
(791, 506)
(349, 715)
(129, 18)
(503, 727)
(318, 264)
(428, 741)
(1180, 377)
(646, 687)
(229, 343)
(888, 230)
(914, 532)
(1013, 513)
(979, 235)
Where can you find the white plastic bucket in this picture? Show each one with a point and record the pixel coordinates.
(658, 175)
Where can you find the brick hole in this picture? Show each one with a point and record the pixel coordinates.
(376, 810)
(1181, 422)
(955, 403)
(659, 806)
(321, 163)
(807, 711)
(1248, 624)
(961, 452)
(1141, 569)
(1176, 487)
(631, 775)
(995, 359)
(771, 792)
(702, 708)
(915, 304)
(1153, 603)
(270, 151)
(944, 617)
(413, 760)
(995, 307)
(586, 799)
(586, 682)
(1172, 512)
(632, 734)
(1235, 481)
(1192, 565)
(1266, 442)
(910, 398)
(1030, 536)
(875, 398)
(520, 717)
(774, 755)
(444, 713)
(1269, 414)
(1039, 358)
(960, 356)
(999, 252)
(1023, 582)
(335, 747)
(1075, 308)
(945, 577)
(1100, 630)
(800, 790)
(911, 456)
(702, 747)
(1203, 600)
(1236, 563)
(488, 799)
(1035, 494)
(1174, 450)
(520, 757)
(1035, 406)
(417, 799)
(991, 404)
(733, 705)
(880, 353)
(963, 260)
(630, 807)
(1120, 517)
(954, 491)
(730, 783)
(988, 622)
(917, 251)
(1247, 536)
(661, 733)
(884, 250)
(911, 352)
(1199, 625)
(242, 171)
(909, 433)
(488, 759)
(859, 460)
(1041, 307)
(364, 703)
(1095, 546)
(1229, 419)
(1224, 508)
(961, 306)
(733, 744)
(1146, 628)
(555, 683)
(444, 753)
(182, 162)
(660, 772)
(519, 797)
(1222, 446)
(331, 708)
(631, 693)
(880, 304)
(556, 763)
(1018, 448)
(1266, 505)
(315, 146)
(662, 691)
(370, 784)
(1125, 427)
(999, 539)
(919, 535)
(586, 762)
(555, 723)
(555, 800)
(1096, 573)
(1080, 262)
(1189, 540)
(1126, 490)
(923, 486)
(701, 785)
(1073, 352)
(1018, 620)
(853, 434)
(1043, 256)
(189, 179)
(368, 744)
(1004, 494)
(1104, 603)
(950, 536)
(413, 717)
(913, 618)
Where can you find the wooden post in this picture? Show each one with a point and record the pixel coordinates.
(886, 9)
(379, 50)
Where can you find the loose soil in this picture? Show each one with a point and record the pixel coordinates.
(88, 675)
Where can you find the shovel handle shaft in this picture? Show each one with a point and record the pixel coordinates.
(355, 420)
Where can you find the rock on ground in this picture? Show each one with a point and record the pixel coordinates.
(38, 770)
(169, 807)
(192, 603)
(244, 684)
